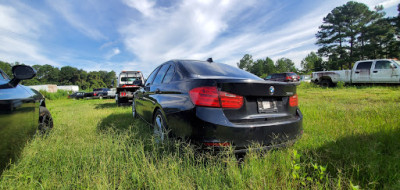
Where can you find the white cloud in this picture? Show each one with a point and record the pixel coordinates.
(386, 3)
(20, 33)
(112, 53)
(143, 6)
(202, 29)
(181, 32)
(67, 11)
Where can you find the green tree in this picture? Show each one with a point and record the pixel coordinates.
(285, 65)
(68, 75)
(47, 74)
(6, 67)
(342, 36)
(246, 63)
(312, 62)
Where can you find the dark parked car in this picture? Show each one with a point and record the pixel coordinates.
(284, 77)
(218, 105)
(22, 111)
(101, 92)
(77, 95)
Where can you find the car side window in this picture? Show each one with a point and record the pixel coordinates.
(151, 77)
(364, 65)
(160, 74)
(169, 74)
(382, 65)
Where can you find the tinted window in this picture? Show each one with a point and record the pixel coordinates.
(216, 69)
(382, 65)
(169, 74)
(151, 77)
(275, 76)
(364, 66)
(291, 74)
(160, 74)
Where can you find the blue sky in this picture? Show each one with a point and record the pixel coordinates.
(141, 34)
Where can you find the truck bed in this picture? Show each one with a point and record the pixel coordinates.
(335, 76)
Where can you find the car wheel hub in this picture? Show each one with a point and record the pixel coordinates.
(133, 109)
(158, 129)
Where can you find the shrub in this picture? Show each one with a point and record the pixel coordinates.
(60, 94)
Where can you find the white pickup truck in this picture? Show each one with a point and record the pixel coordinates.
(368, 71)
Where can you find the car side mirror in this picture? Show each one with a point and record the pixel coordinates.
(138, 83)
(21, 72)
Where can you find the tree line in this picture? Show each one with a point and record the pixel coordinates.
(349, 33)
(67, 75)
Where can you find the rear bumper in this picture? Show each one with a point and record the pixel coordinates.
(212, 126)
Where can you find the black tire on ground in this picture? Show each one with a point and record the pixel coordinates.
(45, 120)
(134, 114)
(160, 128)
(325, 83)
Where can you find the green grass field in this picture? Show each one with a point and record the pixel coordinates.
(351, 140)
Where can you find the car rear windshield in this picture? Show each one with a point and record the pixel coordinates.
(291, 74)
(129, 79)
(216, 69)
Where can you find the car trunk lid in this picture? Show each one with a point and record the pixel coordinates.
(263, 101)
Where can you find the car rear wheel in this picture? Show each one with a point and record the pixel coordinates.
(134, 114)
(45, 120)
(159, 128)
(326, 83)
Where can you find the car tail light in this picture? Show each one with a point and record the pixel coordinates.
(293, 101)
(123, 93)
(209, 96)
(205, 96)
(127, 86)
(229, 100)
(217, 144)
(94, 94)
(288, 78)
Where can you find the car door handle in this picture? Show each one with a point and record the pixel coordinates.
(357, 72)
(157, 91)
(374, 71)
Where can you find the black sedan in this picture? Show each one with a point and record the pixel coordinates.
(22, 111)
(218, 105)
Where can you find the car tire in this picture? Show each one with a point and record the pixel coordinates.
(159, 128)
(134, 114)
(325, 83)
(45, 120)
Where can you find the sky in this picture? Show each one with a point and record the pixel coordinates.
(141, 34)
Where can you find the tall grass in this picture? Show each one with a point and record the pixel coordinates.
(350, 140)
(60, 94)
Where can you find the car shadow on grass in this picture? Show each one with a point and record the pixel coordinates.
(371, 161)
(121, 126)
(106, 105)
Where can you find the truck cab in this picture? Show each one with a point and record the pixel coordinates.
(128, 83)
(376, 71)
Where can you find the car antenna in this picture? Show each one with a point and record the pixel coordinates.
(210, 60)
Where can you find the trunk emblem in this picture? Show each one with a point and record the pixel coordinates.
(271, 90)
